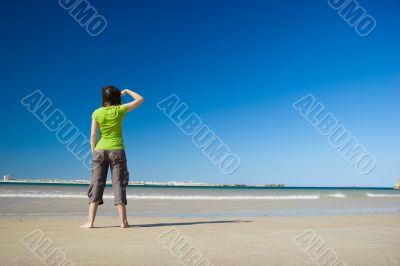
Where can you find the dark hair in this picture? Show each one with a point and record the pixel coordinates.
(111, 96)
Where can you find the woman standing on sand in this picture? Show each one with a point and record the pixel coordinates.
(109, 151)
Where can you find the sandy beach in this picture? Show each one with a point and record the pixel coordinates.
(39, 225)
(356, 240)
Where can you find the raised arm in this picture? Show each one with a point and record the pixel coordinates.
(137, 99)
(93, 134)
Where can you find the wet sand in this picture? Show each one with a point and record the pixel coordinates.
(200, 208)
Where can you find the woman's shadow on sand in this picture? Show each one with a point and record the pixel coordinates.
(178, 224)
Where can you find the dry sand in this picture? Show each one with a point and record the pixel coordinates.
(356, 240)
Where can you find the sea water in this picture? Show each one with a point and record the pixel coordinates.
(185, 201)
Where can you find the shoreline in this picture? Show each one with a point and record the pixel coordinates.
(204, 208)
(228, 226)
(225, 214)
(210, 186)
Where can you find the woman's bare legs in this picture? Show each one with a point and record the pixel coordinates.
(92, 215)
(122, 215)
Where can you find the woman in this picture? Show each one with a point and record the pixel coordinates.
(109, 151)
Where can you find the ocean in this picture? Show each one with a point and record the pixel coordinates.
(203, 201)
(41, 190)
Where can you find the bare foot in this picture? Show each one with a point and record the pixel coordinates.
(125, 225)
(87, 225)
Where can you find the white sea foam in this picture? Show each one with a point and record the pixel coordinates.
(162, 197)
(192, 197)
(337, 195)
(41, 195)
(372, 195)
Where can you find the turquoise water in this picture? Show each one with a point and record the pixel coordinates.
(56, 190)
(71, 199)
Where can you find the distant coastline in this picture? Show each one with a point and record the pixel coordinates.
(134, 183)
(175, 184)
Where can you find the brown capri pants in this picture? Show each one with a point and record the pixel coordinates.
(101, 161)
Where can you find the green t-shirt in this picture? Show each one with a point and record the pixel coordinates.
(110, 119)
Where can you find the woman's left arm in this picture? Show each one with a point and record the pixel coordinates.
(93, 134)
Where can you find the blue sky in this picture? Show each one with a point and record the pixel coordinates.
(238, 64)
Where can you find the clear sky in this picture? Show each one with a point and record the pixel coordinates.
(239, 65)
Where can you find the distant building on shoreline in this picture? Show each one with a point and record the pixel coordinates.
(397, 185)
(140, 183)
